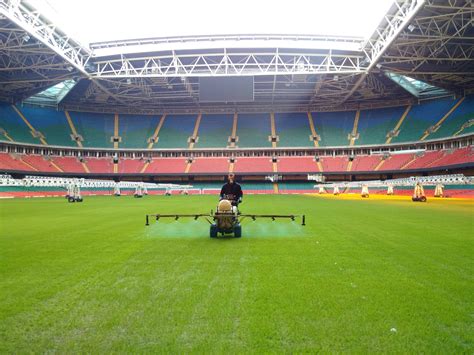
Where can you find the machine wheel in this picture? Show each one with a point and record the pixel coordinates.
(71, 199)
(213, 231)
(79, 200)
(423, 198)
(238, 231)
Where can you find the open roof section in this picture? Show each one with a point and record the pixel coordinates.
(107, 20)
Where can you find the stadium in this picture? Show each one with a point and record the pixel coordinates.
(347, 125)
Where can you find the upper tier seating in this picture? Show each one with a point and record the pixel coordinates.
(166, 166)
(14, 126)
(214, 131)
(333, 127)
(253, 130)
(69, 164)
(421, 117)
(212, 165)
(135, 130)
(175, 131)
(96, 129)
(297, 165)
(463, 113)
(51, 123)
(365, 163)
(293, 129)
(375, 124)
(334, 163)
(253, 165)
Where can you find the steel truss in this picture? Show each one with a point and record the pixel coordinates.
(431, 40)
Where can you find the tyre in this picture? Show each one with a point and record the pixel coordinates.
(71, 199)
(238, 231)
(423, 198)
(213, 231)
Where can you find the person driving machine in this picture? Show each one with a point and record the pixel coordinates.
(231, 191)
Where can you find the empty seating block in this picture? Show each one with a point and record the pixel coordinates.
(167, 166)
(375, 124)
(421, 117)
(334, 164)
(293, 130)
(253, 165)
(130, 166)
(333, 127)
(297, 165)
(396, 161)
(253, 130)
(365, 163)
(135, 130)
(175, 131)
(100, 165)
(39, 163)
(16, 128)
(51, 123)
(210, 165)
(96, 129)
(69, 164)
(425, 160)
(462, 114)
(459, 156)
(8, 162)
(214, 131)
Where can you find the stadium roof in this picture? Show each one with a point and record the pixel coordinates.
(429, 43)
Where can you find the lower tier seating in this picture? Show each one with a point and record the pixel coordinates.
(253, 165)
(297, 165)
(242, 165)
(210, 165)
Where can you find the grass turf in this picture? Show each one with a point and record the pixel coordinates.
(362, 276)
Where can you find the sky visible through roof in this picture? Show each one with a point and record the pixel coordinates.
(105, 20)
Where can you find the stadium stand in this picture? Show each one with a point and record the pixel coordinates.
(425, 160)
(458, 156)
(69, 164)
(397, 161)
(135, 130)
(51, 123)
(463, 113)
(375, 124)
(13, 162)
(210, 165)
(96, 129)
(15, 128)
(293, 130)
(333, 127)
(253, 130)
(130, 166)
(175, 131)
(365, 163)
(40, 163)
(421, 117)
(334, 164)
(100, 165)
(253, 165)
(297, 165)
(214, 131)
(166, 166)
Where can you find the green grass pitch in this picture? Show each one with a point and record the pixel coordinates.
(362, 276)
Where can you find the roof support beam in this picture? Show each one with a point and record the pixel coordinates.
(385, 34)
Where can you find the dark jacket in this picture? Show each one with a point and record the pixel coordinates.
(231, 191)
